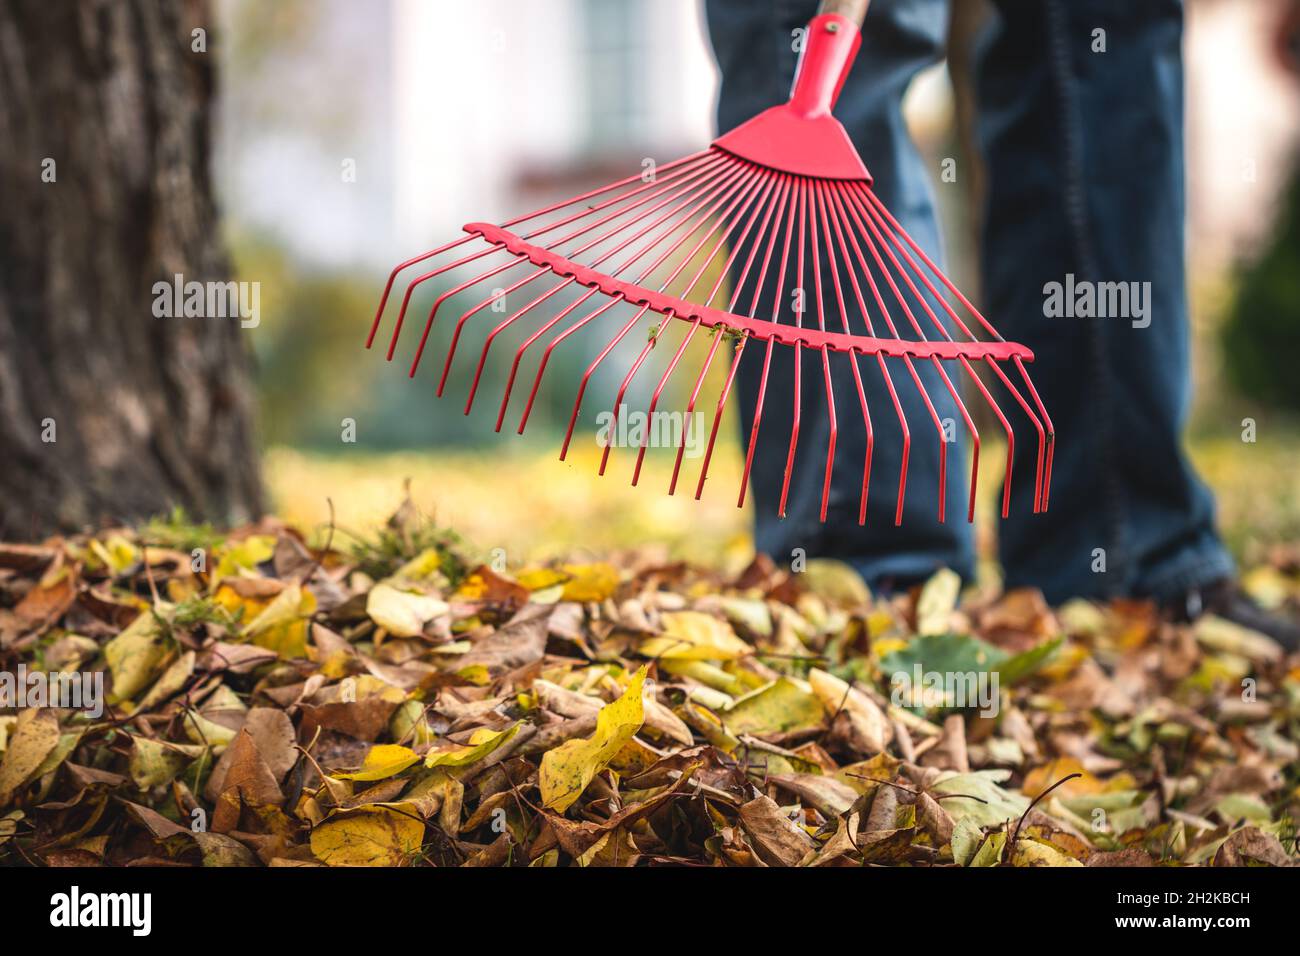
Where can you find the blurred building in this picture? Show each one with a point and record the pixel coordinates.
(451, 111)
(460, 111)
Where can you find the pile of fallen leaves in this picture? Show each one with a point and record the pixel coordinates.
(397, 702)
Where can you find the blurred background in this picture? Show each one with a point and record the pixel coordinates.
(449, 113)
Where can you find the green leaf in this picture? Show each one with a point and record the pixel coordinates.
(779, 706)
(962, 653)
(998, 806)
(1017, 668)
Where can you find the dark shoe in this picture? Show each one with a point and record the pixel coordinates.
(1226, 600)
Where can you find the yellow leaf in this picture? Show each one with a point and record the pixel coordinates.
(1220, 634)
(781, 705)
(937, 601)
(425, 567)
(590, 582)
(1040, 778)
(566, 770)
(886, 646)
(402, 613)
(476, 674)
(282, 625)
(137, 656)
(836, 581)
(541, 579)
(383, 760)
(172, 680)
(1033, 853)
(870, 726)
(155, 762)
(116, 554)
(203, 731)
(481, 743)
(409, 722)
(696, 636)
(990, 851)
(368, 836)
(243, 556)
(9, 825)
(35, 735)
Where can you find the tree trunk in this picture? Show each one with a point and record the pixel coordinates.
(108, 412)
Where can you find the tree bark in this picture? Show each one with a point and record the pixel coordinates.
(146, 412)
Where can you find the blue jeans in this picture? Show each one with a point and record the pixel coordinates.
(1084, 158)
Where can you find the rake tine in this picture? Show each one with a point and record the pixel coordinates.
(708, 157)
(759, 200)
(818, 213)
(881, 233)
(907, 442)
(717, 418)
(550, 324)
(827, 221)
(1006, 427)
(758, 420)
(1020, 400)
(420, 280)
(392, 277)
(701, 159)
(541, 368)
(662, 258)
(719, 176)
(509, 320)
(709, 170)
(798, 353)
(742, 199)
(966, 417)
(519, 354)
(957, 293)
(1051, 432)
(776, 312)
(883, 215)
(867, 236)
(586, 377)
(720, 173)
(749, 183)
(943, 441)
(460, 324)
(455, 290)
(654, 399)
(689, 416)
(841, 207)
(483, 358)
(774, 206)
(1042, 472)
(651, 341)
(719, 334)
(688, 193)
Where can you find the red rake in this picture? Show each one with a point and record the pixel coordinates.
(790, 183)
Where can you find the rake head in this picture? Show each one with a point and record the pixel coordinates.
(780, 204)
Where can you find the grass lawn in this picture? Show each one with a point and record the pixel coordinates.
(525, 500)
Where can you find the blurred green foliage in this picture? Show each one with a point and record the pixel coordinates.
(314, 370)
(1261, 334)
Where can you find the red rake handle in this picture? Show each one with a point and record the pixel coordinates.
(832, 43)
(715, 318)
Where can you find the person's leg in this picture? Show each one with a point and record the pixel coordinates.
(1081, 123)
(753, 43)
